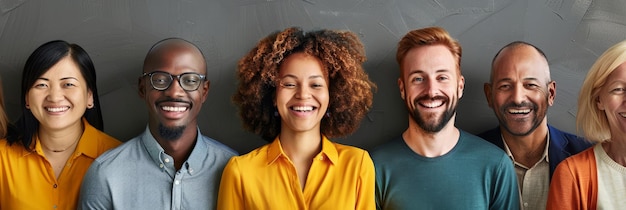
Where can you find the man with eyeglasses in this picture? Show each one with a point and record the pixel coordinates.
(171, 164)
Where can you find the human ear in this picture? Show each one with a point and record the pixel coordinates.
(487, 90)
(551, 92)
(90, 102)
(401, 87)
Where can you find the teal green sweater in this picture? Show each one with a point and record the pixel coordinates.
(473, 175)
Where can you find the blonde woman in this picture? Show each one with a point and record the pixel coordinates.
(596, 177)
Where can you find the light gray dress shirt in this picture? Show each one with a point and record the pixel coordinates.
(139, 175)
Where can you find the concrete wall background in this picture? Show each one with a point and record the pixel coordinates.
(118, 33)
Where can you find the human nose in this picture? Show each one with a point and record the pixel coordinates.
(55, 93)
(519, 95)
(174, 89)
(432, 87)
(303, 92)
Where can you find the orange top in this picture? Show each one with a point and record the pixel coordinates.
(341, 177)
(574, 184)
(27, 180)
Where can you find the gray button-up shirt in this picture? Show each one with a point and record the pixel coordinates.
(139, 175)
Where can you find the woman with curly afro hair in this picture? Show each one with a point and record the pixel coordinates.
(296, 90)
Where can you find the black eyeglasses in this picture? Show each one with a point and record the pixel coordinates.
(189, 81)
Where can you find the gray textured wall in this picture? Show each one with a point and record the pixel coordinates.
(117, 34)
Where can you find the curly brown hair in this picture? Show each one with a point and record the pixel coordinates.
(342, 55)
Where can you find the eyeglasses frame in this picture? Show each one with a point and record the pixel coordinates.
(172, 77)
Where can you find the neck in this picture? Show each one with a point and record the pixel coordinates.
(60, 140)
(616, 149)
(527, 150)
(180, 148)
(431, 144)
(301, 145)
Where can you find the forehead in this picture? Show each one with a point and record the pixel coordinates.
(66, 67)
(301, 65)
(429, 58)
(175, 58)
(619, 74)
(520, 61)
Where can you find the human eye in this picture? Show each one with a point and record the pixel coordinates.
(317, 85)
(40, 85)
(504, 87)
(532, 85)
(417, 79)
(288, 83)
(159, 78)
(443, 77)
(69, 84)
(190, 79)
(618, 90)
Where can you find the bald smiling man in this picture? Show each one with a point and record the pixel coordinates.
(171, 165)
(519, 92)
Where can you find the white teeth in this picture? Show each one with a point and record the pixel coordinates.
(303, 108)
(432, 104)
(622, 114)
(174, 108)
(58, 109)
(519, 111)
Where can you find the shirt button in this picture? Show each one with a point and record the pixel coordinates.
(55, 185)
(176, 182)
(161, 165)
(54, 206)
(167, 160)
(525, 204)
(321, 158)
(190, 170)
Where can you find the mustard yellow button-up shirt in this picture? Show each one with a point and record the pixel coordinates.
(341, 177)
(27, 180)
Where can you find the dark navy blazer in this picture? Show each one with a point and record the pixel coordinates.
(562, 144)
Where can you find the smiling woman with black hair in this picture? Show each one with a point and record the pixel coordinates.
(43, 160)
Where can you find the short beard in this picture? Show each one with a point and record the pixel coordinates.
(171, 134)
(437, 126)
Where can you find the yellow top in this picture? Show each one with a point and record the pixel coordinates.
(341, 177)
(27, 180)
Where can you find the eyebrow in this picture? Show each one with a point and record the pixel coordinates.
(422, 71)
(64, 78)
(310, 77)
(616, 82)
(524, 79)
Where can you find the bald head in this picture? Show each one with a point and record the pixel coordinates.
(173, 46)
(519, 51)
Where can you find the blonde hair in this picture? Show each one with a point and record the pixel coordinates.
(4, 120)
(591, 120)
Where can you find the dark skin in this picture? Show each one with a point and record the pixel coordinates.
(174, 107)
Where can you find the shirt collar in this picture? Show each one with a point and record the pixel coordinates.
(155, 150)
(545, 151)
(86, 143)
(329, 151)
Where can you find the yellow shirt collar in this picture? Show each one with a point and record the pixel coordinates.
(275, 151)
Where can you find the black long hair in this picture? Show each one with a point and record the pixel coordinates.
(38, 63)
